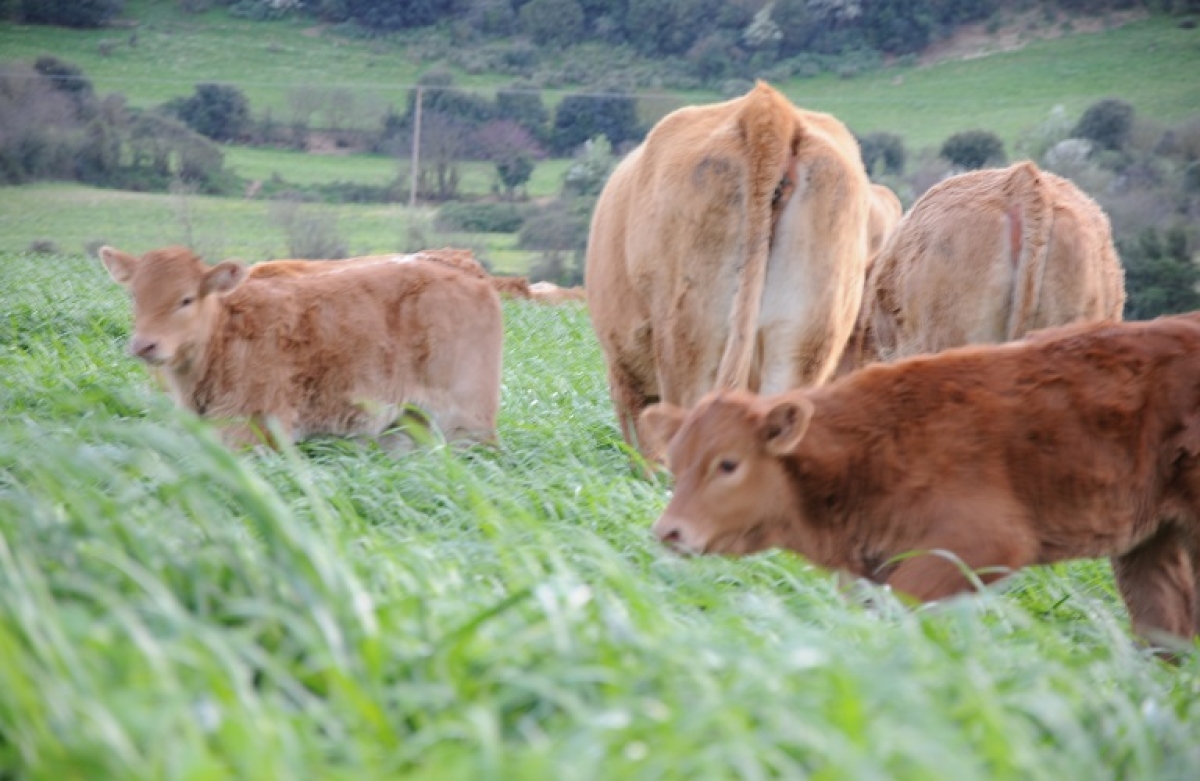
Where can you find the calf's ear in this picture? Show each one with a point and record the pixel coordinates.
(784, 423)
(657, 426)
(223, 277)
(120, 264)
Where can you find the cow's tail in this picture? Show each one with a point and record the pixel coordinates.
(770, 137)
(1030, 217)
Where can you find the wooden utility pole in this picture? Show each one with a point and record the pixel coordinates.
(416, 152)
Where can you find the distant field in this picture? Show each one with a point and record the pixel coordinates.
(1150, 63)
(73, 216)
(478, 178)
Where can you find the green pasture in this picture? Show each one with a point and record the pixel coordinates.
(169, 609)
(1152, 63)
(75, 218)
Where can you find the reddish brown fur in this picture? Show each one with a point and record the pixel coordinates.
(1083, 441)
(334, 347)
(728, 250)
(985, 257)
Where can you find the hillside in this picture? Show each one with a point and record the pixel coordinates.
(163, 54)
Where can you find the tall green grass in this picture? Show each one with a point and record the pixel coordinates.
(169, 609)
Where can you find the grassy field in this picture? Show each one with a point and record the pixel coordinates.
(172, 610)
(1151, 63)
(75, 218)
(477, 178)
(169, 609)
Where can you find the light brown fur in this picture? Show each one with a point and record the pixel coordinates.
(1081, 442)
(728, 250)
(987, 257)
(338, 348)
(550, 293)
(886, 210)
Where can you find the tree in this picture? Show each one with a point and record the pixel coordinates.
(1106, 122)
(69, 80)
(973, 149)
(580, 117)
(525, 107)
(885, 150)
(1160, 277)
(71, 13)
(218, 111)
(552, 22)
(512, 149)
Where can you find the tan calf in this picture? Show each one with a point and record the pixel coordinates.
(340, 351)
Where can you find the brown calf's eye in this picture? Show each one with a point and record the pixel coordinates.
(727, 466)
(187, 301)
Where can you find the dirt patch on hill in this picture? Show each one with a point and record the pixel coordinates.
(1016, 31)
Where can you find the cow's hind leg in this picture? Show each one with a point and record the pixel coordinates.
(629, 399)
(1157, 579)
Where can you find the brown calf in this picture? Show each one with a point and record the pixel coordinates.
(1081, 441)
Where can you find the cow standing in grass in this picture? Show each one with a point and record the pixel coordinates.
(340, 349)
(728, 250)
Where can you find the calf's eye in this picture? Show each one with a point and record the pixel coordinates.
(727, 466)
(186, 301)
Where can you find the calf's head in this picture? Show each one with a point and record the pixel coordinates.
(732, 491)
(174, 294)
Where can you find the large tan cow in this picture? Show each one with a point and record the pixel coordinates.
(340, 349)
(1082, 441)
(988, 256)
(728, 250)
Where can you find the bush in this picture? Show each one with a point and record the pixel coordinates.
(883, 150)
(973, 149)
(580, 117)
(552, 22)
(1159, 275)
(311, 233)
(480, 218)
(71, 13)
(1107, 122)
(218, 111)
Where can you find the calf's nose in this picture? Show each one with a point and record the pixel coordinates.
(667, 531)
(142, 347)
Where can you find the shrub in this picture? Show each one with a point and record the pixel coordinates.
(552, 22)
(479, 218)
(310, 232)
(71, 13)
(1159, 275)
(580, 117)
(1107, 122)
(218, 111)
(973, 149)
(885, 150)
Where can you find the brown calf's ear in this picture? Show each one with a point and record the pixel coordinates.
(657, 426)
(120, 264)
(785, 422)
(223, 277)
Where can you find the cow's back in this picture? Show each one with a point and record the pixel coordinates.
(728, 250)
(987, 257)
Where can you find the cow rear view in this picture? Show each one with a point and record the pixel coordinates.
(341, 350)
(987, 257)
